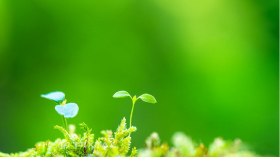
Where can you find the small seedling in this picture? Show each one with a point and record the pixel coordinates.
(145, 97)
(67, 110)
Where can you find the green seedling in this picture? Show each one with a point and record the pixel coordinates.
(145, 97)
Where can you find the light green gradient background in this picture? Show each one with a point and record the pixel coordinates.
(212, 65)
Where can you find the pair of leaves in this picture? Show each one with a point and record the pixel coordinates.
(145, 97)
(68, 110)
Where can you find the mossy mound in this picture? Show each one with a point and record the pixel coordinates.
(118, 144)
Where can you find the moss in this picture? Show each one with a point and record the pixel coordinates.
(118, 144)
(183, 146)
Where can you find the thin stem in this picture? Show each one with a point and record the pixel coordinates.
(134, 99)
(64, 123)
(133, 102)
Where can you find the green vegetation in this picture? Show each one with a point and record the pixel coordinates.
(118, 144)
(76, 145)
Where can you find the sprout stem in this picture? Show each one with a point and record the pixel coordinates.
(134, 99)
(133, 102)
(64, 123)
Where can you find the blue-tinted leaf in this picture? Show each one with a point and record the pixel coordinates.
(60, 109)
(148, 98)
(121, 94)
(55, 96)
(68, 110)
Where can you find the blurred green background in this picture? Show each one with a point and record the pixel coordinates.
(212, 65)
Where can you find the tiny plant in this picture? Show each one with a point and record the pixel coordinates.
(67, 110)
(145, 97)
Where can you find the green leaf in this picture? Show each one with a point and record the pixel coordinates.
(148, 98)
(121, 94)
